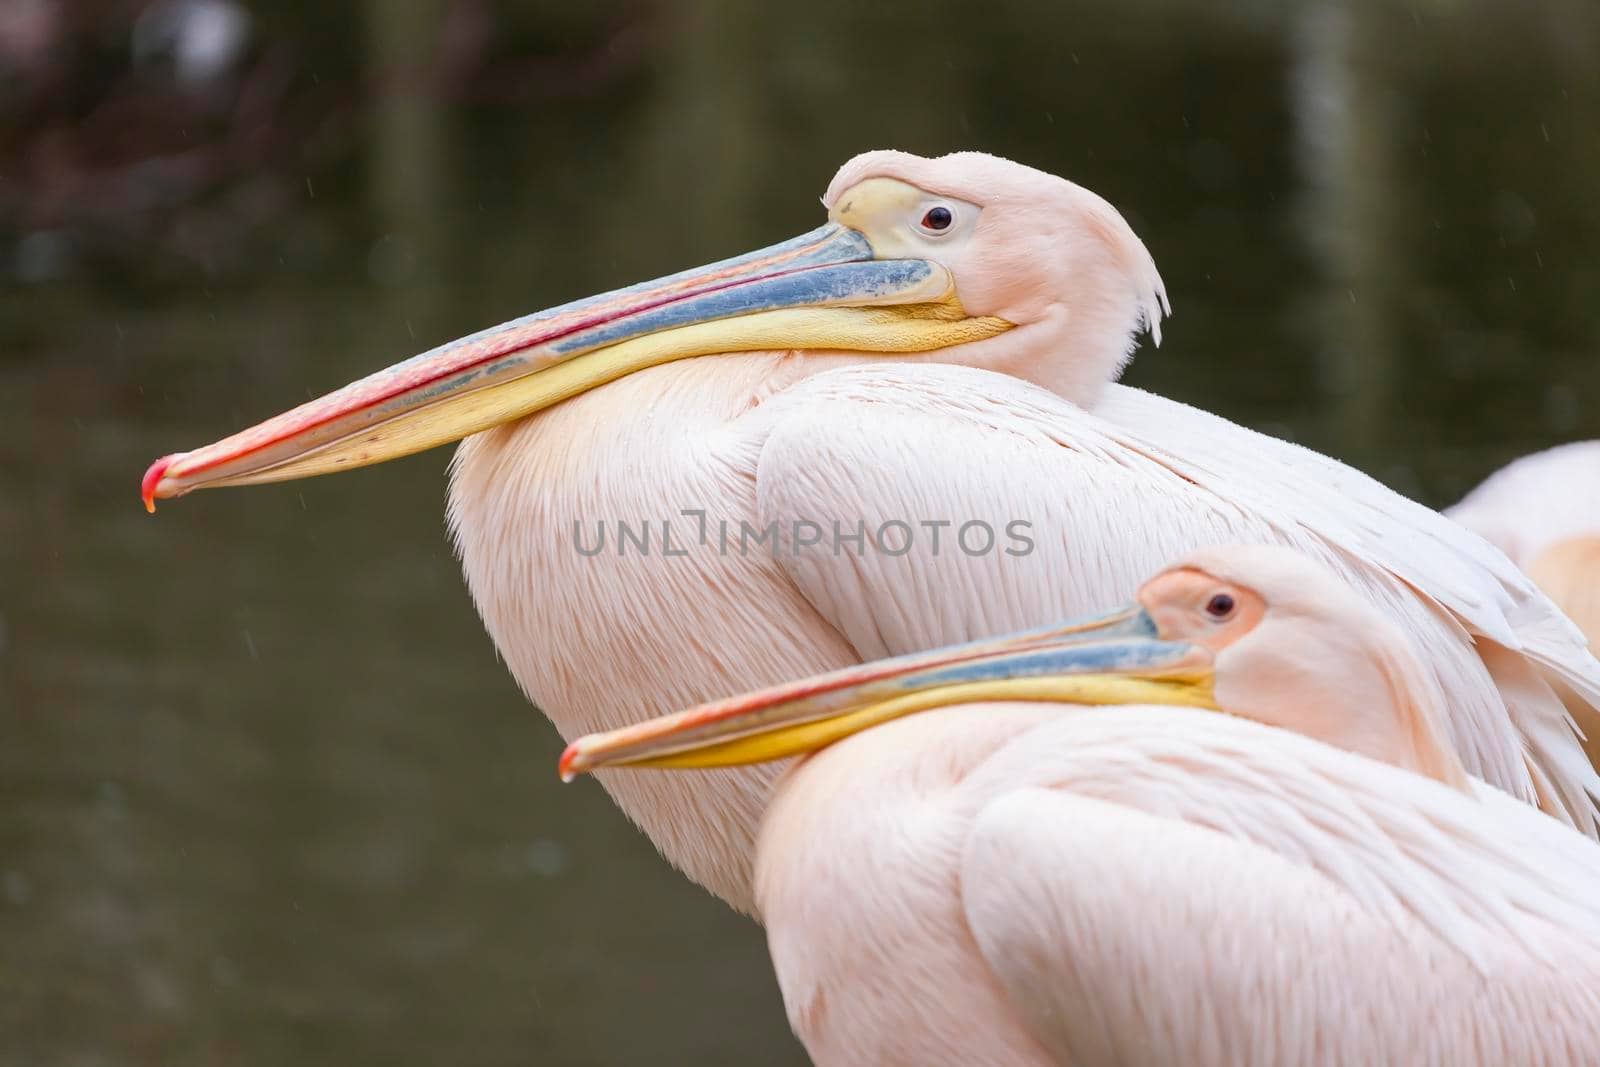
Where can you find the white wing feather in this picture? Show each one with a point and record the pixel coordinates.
(1153, 888)
(1109, 498)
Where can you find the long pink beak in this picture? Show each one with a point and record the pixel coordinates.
(418, 403)
(770, 723)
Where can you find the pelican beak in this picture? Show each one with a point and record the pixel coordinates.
(1115, 659)
(825, 290)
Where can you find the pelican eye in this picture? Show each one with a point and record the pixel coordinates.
(1220, 606)
(937, 219)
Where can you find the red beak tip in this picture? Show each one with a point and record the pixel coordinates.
(152, 479)
(564, 768)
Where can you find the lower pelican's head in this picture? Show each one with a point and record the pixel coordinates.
(965, 258)
(1259, 632)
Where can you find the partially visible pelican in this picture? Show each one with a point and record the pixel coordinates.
(810, 386)
(1543, 511)
(1310, 879)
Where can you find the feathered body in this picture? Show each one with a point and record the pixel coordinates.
(1030, 884)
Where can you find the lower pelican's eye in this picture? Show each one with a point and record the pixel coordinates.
(937, 218)
(1220, 606)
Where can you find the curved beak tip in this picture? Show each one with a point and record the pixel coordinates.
(571, 764)
(149, 488)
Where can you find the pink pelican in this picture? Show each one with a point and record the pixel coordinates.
(1543, 511)
(1309, 879)
(942, 350)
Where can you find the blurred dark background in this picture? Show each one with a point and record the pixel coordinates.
(266, 796)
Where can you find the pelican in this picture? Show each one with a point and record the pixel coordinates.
(935, 362)
(1543, 511)
(968, 874)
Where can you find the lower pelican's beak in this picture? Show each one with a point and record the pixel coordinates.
(825, 290)
(1116, 659)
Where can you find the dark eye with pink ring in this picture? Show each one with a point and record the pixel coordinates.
(937, 218)
(1220, 606)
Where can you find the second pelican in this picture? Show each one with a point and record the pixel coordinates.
(1310, 879)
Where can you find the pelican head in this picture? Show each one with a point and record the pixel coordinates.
(966, 258)
(1259, 632)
